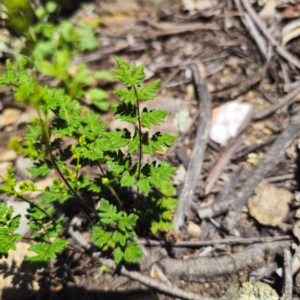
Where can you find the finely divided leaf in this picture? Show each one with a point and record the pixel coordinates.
(127, 222)
(126, 96)
(162, 139)
(127, 179)
(7, 242)
(39, 170)
(102, 237)
(135, 142)
(126, 112)
(116, 139)
(11, 76)
(165, 170)
(139, 75)
(148, 92)
(144, 185)
(156, 117)
(46, 251)
(133, 252)
(108, 214)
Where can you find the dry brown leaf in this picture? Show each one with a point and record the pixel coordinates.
(290, 11)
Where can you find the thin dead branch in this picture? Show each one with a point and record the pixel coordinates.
(260, 42)
(159, 286)
(263, 272)
(262, 27)
(202, 268)
(162, 287)
(229, 241)
(221, 164)
(243, 151)
(166, 29)
(197, 156)
(285, 100)
(239, 87)
(288, 278)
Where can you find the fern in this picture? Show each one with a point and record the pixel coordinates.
(8, 224)
(117, 155)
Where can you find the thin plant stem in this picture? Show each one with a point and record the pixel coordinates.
(36, 206)
(115, 195)
(140, 141)
(112, 190)
(48, 149)
(69, 186)
(101, 169)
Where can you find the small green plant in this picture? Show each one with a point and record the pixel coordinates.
(51, 49)
(149, 203)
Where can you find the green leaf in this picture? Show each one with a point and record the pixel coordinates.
(119, 237)
(51, 7)
(108, 212)
(126, 112)
(135, 143)
(127, 179)
(59, 244)
(7, 242)
(165, 170)
(157, 141)
(103, 75)
(86, 39)
(45, 67)
(133, 252)
(139, 75)
(90, 126)
(7, 226)
(102, 238)
(10, 77)
(118, 255)
(39, 170)
(116, 139)
(144, 185)
(14, 223)
(98, 98)
(146, 144)
(52, 196)
(46, 251)
(163, 139)
(127, 222)
(149, 91)
(126, 96)
(156, 117)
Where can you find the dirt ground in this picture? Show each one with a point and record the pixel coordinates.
(236, 235)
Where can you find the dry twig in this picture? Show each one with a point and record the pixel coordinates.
(162, 287)
(288, 278)
(262, 27)
(285, 100)
(229, 241)
(221, 164)
(240, 87)
(260, 42)
(197, 156)
(200, 269)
